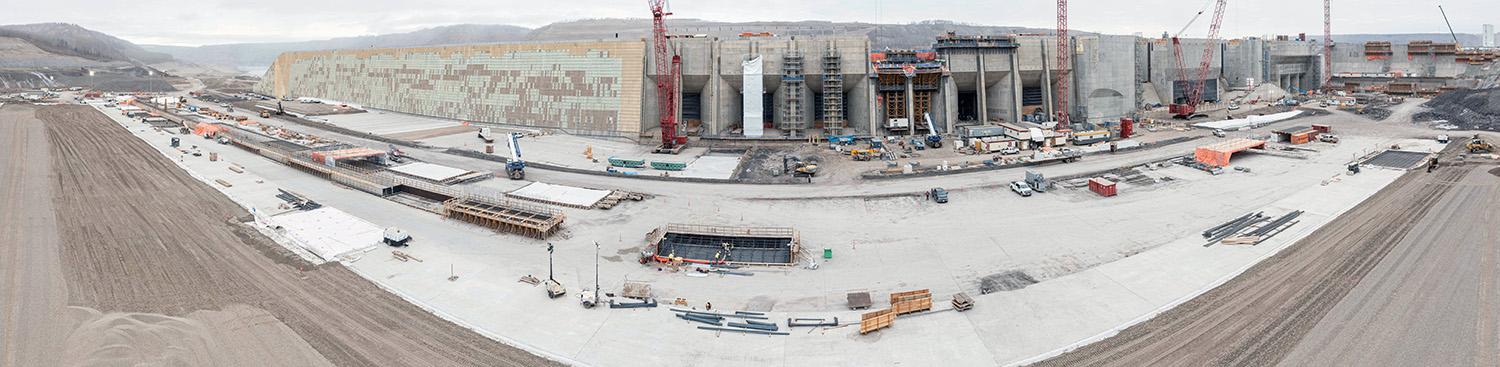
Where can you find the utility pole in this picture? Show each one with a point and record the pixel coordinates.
(596, 272)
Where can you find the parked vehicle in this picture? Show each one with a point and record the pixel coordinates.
(1020, 188)
(1010, 151)
(395, 237)
(939, 195)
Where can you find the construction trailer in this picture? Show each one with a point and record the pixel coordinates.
(1297, 134)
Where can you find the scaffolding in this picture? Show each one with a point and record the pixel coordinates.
(833, 91)
(792, 82)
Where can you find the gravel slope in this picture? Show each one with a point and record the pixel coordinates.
(157, 268)
(1262, 315)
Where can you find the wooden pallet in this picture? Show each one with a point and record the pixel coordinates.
(858, 300)
(636, 290)
(962, 302)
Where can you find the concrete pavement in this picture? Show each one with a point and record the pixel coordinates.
(1102, 263)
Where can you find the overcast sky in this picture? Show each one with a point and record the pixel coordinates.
(215, 21)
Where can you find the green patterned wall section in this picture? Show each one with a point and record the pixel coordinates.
(581, 87)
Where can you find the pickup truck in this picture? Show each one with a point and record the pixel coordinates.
(1020, 188)
(939, 195)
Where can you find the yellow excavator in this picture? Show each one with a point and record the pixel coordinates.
(1478, 145)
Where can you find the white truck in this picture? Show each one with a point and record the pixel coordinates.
(484, 134)
(395, 237)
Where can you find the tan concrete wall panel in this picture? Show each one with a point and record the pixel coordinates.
(583, 87)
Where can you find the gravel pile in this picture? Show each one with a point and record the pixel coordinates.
(1467, 108)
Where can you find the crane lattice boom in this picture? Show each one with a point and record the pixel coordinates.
(1195, 86)
(667, 69)
(1064, 65)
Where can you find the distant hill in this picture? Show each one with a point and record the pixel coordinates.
(257, 54)
(74, 41)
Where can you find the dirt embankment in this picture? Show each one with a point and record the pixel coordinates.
(1469, 109)
(1260, 316)
(158, 271)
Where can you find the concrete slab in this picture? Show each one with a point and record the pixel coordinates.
(712, 166)
(1129, 257)
(559, 194)
(429, 171)
(328, 232)
(1398, 159)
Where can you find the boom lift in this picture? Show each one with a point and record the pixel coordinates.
(933, 139)
(516, 167)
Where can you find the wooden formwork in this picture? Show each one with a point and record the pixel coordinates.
(506, 216)
(876, 320)
(911, 295)
(911, 301)
(912, 305)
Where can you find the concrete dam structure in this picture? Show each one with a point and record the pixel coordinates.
(810, 85)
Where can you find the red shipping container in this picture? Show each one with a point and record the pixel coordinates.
(1102, 186)
(1127, 128)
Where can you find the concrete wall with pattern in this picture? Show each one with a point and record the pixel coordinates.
(591, 88)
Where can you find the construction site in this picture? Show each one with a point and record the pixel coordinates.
(751, 198)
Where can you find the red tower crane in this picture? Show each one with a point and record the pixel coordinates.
(668, 68)
(1189, 108)
(1327, 43)
(1064, 65)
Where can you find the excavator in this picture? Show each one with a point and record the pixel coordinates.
(798, 167)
